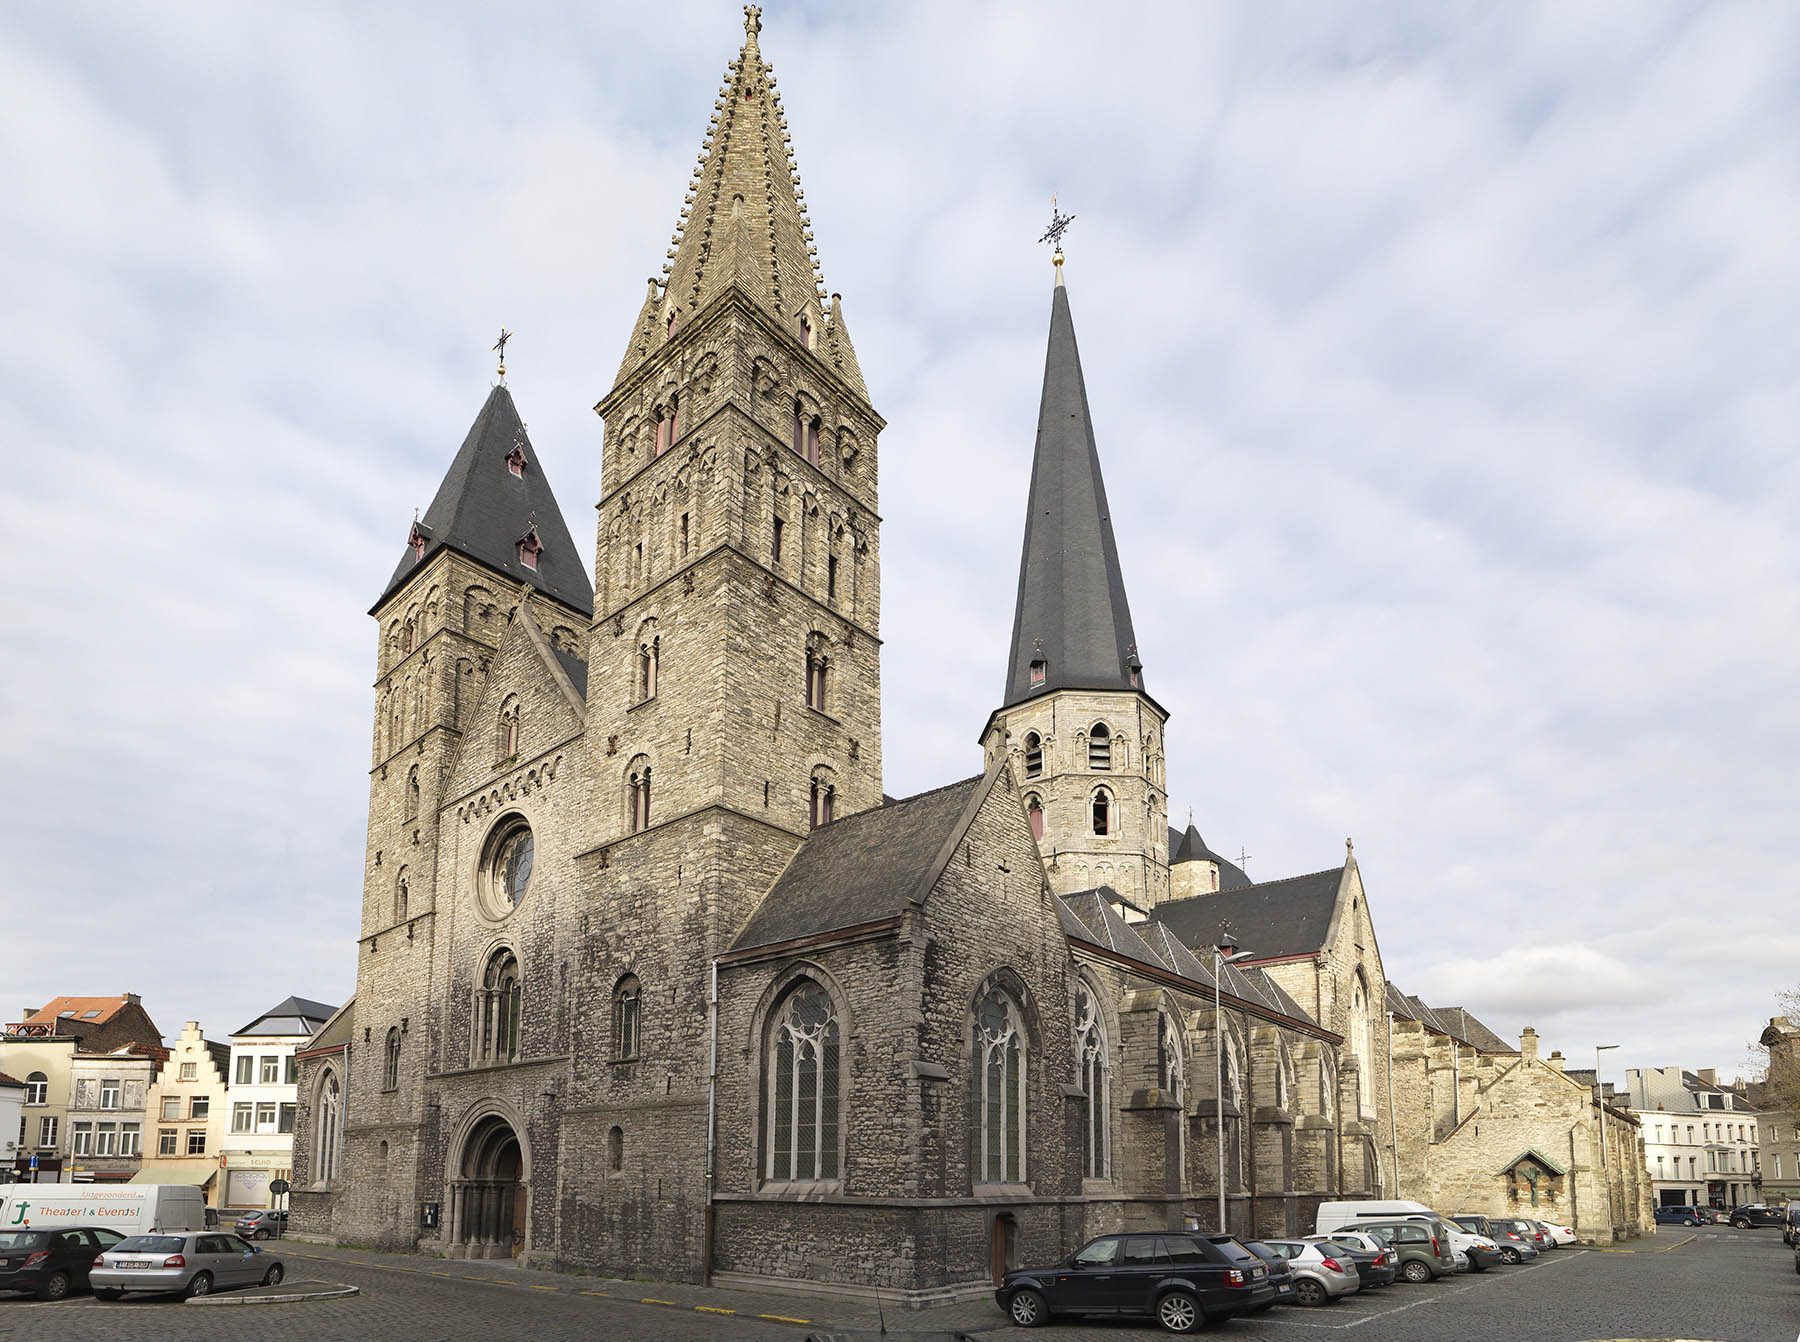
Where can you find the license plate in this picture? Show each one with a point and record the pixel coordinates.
(1258, 1273)
(130, 1265)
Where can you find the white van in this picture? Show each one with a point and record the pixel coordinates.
(1335, 1214)
(130, 1209)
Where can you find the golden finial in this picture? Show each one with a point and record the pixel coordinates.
(1053, 235)
(500, 347)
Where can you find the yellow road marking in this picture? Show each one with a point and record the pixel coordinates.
(539, 1286)
(712, 1309)
(782, 1318)
(647, 1300)
(595, 1293)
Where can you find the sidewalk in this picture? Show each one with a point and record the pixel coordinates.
(822, 1313)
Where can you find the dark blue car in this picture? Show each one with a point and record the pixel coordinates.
(1678, 1215)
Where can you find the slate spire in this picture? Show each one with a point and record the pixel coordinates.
(1072, 615)
(495, 501)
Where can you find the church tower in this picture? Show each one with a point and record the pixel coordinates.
(1084, 738)
(736, 651)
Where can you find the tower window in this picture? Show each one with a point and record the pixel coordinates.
(1102, 811)
(824, 798)
(1037, 672)
(509, 728)
(627, 1003)
(799, 428)
(831, 578)
(669, 327)
(1034, 755)
(812, 440)
(1099, 747)
(515, 460)
(805, 332)
(1034, 811)
(637, 793)
(530, 547)
(775, 543)
(417, 541)
(674, 422)
(818, 667)
(684, 535)
(649, 664)
(662, 432)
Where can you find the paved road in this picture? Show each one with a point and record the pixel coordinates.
(1723, 1285)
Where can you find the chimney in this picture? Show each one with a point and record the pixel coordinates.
(132, 999)
(1556, 1060)
(1528, 1044)
(1707, 1074)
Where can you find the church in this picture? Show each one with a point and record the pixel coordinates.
(654, 980)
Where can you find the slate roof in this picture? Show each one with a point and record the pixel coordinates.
(574, 668)
(1471, 1031)
(482, 510)
(1188, 846)
(863, 868)
(336, 1032)
(294, 1016)
(1071, 608)
(1412, 1008)
(1271, 920)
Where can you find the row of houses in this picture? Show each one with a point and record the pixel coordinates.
(89, 1093)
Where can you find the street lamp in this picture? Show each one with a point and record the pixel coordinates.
(1225, 952)
(1605, 1173)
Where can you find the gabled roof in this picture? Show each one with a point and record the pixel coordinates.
(482, 510)
(1532, 1153)
(1097, 922)
(11, 1082)
(1071, 610)
(1271, 920)
(293, 1016)
(1188, 846)
(335, 1033)
(87, 1010)
(1471, 1031)
(866, 867)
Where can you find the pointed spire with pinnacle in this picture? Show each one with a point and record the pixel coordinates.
(743, 222)
(1072, 616)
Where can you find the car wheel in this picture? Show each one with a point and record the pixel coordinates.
(1509, 1256)
(1687, 1221)
(1179, 1312)
(274, 1275)
(1741, 1225)
(1027, 1309)
(1309, 1292)
(1416, 1271)
(262, 1234)
(200, 1284)
(55, 1286)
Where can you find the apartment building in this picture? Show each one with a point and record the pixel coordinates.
(1701, 1138)
(258, 1143)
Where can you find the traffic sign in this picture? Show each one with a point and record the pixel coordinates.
(278, 1186)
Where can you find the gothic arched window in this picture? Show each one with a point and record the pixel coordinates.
(1359, 1039)
(628, 1001)
(649, 660)
(390, 1061)
(998, 1090)
(1171, 1066)
(824, 797)
(1092, 1075)
(637, 793)
(1102, 811)
(328, 1129)
(802, 1065)
(1099, 747)
(1034, 755)
(818, 666)
(497, 1005)
(1034, 812)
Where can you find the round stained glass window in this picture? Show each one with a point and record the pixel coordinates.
(506, 875)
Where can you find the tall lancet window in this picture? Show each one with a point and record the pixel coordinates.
(637, 793)
(1034, 812)
(1034, 755)
(1091, 1075)
(998, 1090)
(802, 1066)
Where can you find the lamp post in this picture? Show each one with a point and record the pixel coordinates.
(1225, 952)
(1600, 1104)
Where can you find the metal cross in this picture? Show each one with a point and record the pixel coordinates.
(500, 347)
(1243, 859)
(1058, 222)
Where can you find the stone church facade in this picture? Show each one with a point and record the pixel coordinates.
(654, 980)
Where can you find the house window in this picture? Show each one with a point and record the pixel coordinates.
(47, 1126)
(106, 1139)
(497, 1009)
(331, 1117)
(775, 543)
(241, 1115)
(1037, 672)
(271, 1069)
(290, 1070)
(245, 1064)
(637, 793)
(196, 1142)
(1091, 1075)
(1102, 811)
(615, 1149)
(81, 1141)
(171, 1106)
(109, 1094)
(284, 1121)
(265, 1118)
(1034, 755)
(1034, 812)
(390, 1060)
(1099, 747)
(131, 1139)
(998, 1090)
(649, 660)
(165, 1141)
(530, 547)
(802, 1066)
(627, 1008)
(824, 798)
(37, 1088)
(190, 1071)
(201, 1107)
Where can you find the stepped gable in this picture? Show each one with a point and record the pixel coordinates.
(483, 511)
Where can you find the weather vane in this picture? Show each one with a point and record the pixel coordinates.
(1058, 223)
(500, 346)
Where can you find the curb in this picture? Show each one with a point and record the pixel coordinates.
(294, 1299)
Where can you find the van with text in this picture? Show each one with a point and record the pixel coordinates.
(130, 1209)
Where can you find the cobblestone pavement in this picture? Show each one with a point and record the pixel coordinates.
(1719, 1285)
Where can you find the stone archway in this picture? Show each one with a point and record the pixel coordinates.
(490, 1196)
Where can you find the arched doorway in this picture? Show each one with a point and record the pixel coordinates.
(491, 1196)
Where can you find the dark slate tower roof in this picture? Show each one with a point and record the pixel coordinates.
(1072, 611)
(483, 510)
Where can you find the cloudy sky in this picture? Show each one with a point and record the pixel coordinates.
(1442, 358)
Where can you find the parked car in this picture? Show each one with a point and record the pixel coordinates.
(1559, 1235)
(1790, 1229)
(1677, 1214)
(1757, 1214)
(1331, 1215)
(1424, 1253)
(1708, 1216)
(1183, 1281)
(262, 1224)
(1279, 1273)
(1473, 1251)
(1320, 1276)
(190, 1265)
(51, 1263)
(1519, 1235)
(1374, 1265)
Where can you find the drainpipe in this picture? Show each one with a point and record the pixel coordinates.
(1393, 1131)
(712, 1124)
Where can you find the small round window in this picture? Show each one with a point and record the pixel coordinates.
(506, 873)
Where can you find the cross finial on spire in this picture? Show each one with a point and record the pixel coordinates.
(1053, 235)
(1349, 848)
(500, 347)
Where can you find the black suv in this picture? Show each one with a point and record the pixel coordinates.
(1756, 1214)
(51, 1263)
(1181, 1280)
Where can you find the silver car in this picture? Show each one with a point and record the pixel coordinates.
(189, 1264)
(1318, 1277)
